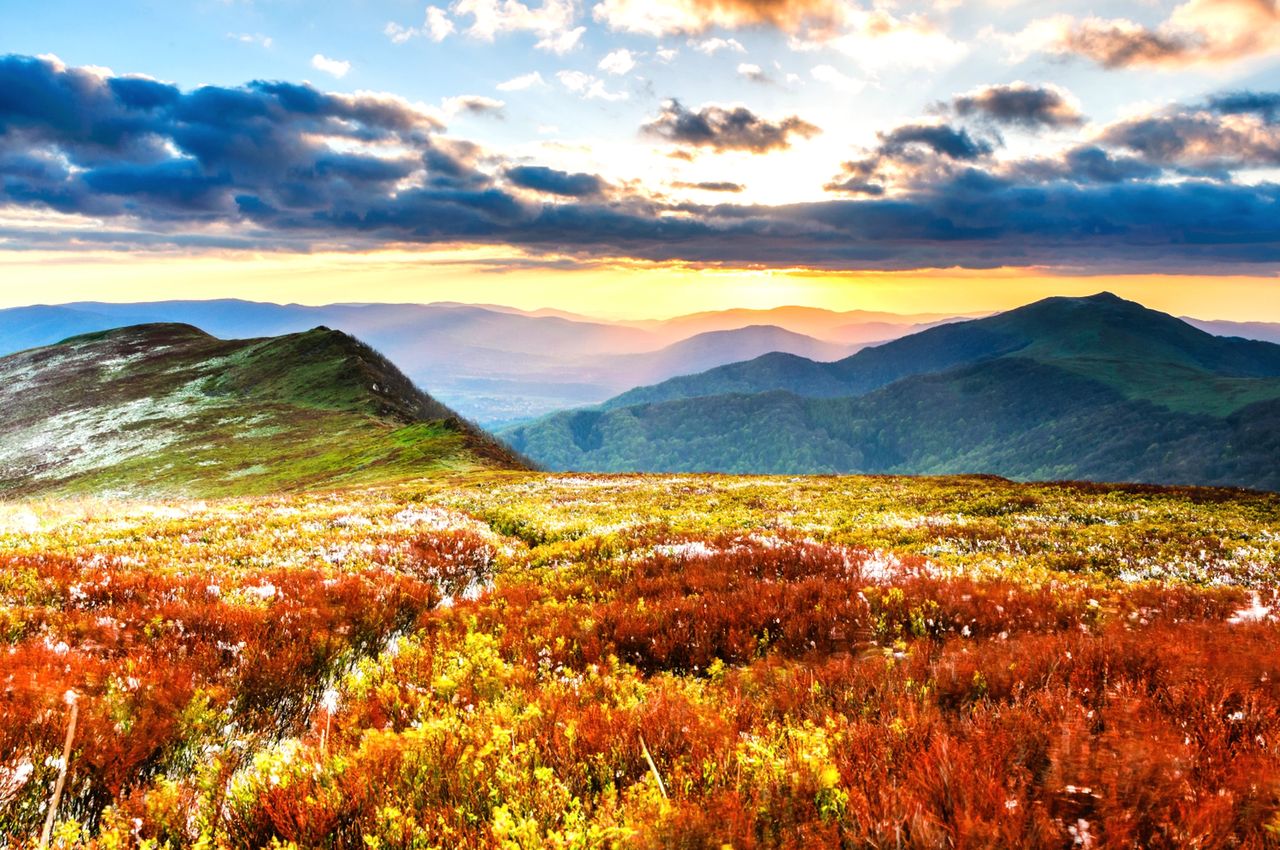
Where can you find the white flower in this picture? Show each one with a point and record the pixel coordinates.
(263, 591)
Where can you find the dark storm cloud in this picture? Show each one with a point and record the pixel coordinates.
(542, 179)
(1019, 104)
(938, 138)
(722, 129)
(912, 153)
(288, 167)
(1266, 105)
(1198, 142)
(1083, 164)
(133, 146)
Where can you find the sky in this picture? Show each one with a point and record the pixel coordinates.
(631, 159)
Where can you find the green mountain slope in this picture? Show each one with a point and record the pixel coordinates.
(168, 409)
(1142, 353)
(1095, 388)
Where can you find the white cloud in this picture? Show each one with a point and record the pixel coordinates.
(876, 39)
(588, 87)
(666, 54)
(251, 38)
(438, 24)
(334, 67)
(712, 46)
(1197, 32)
(620, 61)
(552, 21)
(399, 34)
(691, 17)
(561, 43)
(836, 79)
(754, 73)
(522, 82)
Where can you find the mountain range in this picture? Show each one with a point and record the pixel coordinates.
(498, 365)
(168, 409)
(1095, 387)
(501, 366)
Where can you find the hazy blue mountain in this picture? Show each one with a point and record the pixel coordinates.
(493, 364)
(1263, 331)
(29, 327)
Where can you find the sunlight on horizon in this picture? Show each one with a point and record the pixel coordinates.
(624, 290)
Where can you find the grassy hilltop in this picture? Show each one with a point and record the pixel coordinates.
(168, 409)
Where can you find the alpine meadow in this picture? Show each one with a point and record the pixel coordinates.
(610, 425)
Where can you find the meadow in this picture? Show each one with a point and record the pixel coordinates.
(523, 660)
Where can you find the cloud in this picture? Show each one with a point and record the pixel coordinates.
(1021, 105)
(588, 87)
(562, 42)
(436, 25)
(522, 82)
(541, 179)
(251, 38)
(754, 73)
(1199, 142)
(1196, 32)
(939, 138)
(837, 80)
(333, 67)
(725, 129)
(876, 39)
(712, 46)
(620, 61)
(710, 186)
(552, 21)
(1213, 141)
(138, 148)
(132, 163)
(1266, 105)
(475, 104)
(910, 156)
(670, 17)
(1082, 165)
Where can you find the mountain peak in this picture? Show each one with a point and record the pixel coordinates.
(149, 333)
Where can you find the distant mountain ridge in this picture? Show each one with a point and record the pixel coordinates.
(501, 365)
(1095, 387)
(167, 409)
(494, 364)
(1077, 333)
(1261, 331)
